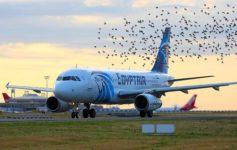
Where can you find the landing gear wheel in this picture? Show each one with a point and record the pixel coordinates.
(149, 114)
(73, 115)
(92, 113)
(76, 114)
(142, 114)
(85, 113)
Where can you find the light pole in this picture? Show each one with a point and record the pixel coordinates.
(13, 93)
(46, 79)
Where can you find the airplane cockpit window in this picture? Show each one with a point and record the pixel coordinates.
(78, 79)
(67, 78)
(73, 78)
(59, 78)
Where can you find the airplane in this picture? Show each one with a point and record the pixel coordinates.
(6, 98)
(27, 102)
(26, 98)
(187, 107)
(144, 89)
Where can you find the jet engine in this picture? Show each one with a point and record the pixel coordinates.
(147, 102)
(56, 105)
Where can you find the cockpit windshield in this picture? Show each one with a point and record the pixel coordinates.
(68, 78)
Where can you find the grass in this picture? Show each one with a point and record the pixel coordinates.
(118, 134)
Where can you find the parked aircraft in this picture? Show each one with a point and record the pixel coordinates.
(27, 102)
(187, 107)
(26, 98)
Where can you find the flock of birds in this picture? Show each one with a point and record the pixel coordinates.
(196, 33)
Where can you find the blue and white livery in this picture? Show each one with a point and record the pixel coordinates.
(144, 89)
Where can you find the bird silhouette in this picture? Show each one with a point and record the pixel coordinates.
(192, 37)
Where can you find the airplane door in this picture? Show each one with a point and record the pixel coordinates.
(90, 84)
(86, 77)
(90, 88)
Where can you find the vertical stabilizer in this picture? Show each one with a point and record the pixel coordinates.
(6, 97)
(161, 63)
(190, 104)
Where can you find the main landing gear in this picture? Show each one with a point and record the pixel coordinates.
(75, 114)
(144, 113)
(88, 112)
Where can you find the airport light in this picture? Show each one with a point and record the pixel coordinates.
(13, 93)
(46, 79)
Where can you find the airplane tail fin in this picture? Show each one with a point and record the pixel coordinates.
(190, 104)
(6, 97)
(193, 100)
(161, 63)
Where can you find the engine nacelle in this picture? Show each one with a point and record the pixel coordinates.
(147, 102)
(56, 105)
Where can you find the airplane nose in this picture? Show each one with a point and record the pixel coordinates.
(60, 90)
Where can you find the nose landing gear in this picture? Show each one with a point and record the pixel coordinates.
(87, 112)
(75, 114)
(75, 111)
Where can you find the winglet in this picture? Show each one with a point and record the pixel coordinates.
(7, 84)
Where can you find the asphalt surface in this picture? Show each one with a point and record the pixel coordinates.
(164, 116)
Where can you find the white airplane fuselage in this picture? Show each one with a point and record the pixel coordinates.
(100, 86)
(144, 89)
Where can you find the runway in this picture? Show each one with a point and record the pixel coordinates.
(161, 116)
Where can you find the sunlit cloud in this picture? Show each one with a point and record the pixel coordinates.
(84, 19)
(93, 3)
(146, 3)
(35, 51)
(79, 20)
(209, 3)
(28, 1)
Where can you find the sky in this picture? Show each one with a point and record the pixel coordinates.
(45, 37)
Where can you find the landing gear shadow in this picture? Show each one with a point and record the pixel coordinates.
(144, 113)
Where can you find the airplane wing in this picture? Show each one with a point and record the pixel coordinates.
(161, 91)
(36, 89)
(190, 78)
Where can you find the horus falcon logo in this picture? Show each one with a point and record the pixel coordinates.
(105, 86)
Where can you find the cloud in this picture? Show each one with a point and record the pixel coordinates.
(94, 3)
(147, 3)
(83, 19)
(140, 3)
(79, 20)
(40, 55)
(35, 51)
(29, 1)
